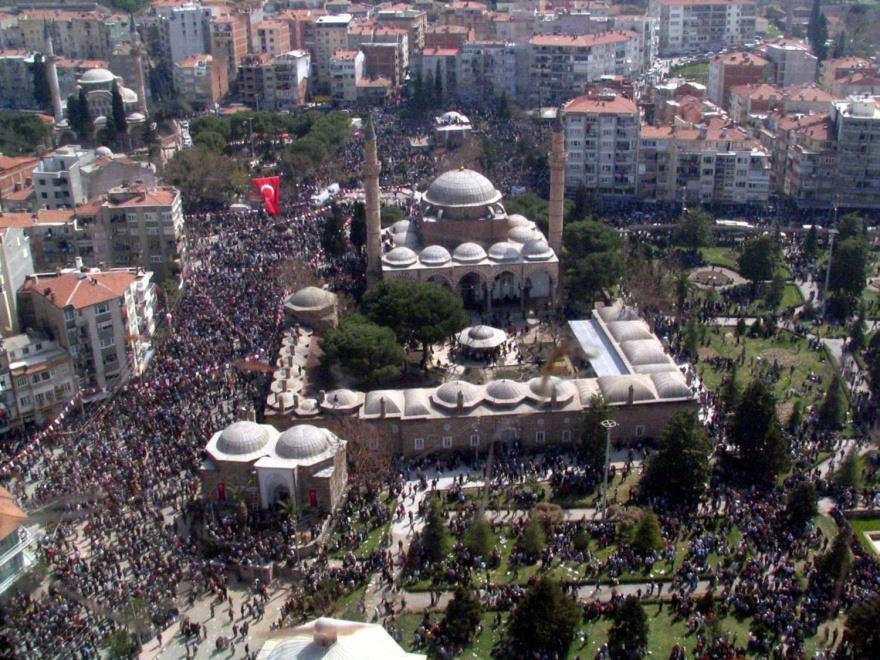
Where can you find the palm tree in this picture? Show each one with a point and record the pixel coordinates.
(239, 495)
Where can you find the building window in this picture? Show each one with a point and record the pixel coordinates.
(475, 440)
(25, 401)
(107, 343)
(566, 436)
(640, 431)
(447, 442)
(21, 381)
(539, 436)
(103, 308)
(419, 444)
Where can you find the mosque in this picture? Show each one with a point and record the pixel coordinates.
(463, 238)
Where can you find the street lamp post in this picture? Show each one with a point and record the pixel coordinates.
(608, 425)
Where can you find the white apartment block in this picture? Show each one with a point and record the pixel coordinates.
(105, 320)
(37, 380)
(487, 68)
(693, 26)
(331, 35)
(346, 69)
(16, 263)
(187, 30)
(856, 130)
(71, 175)
(275, 83)
(601, 142)
(792, 63)
(561, 65)
(706, 166)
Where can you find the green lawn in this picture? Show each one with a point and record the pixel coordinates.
(696, 72)
(794, 355)
(862, 527)
(720, 256)
(792, 296)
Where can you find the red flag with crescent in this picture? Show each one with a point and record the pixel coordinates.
(270, 189)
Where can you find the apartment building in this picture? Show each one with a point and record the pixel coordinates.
(811, 178)
(487, 69)
(37, 379)
(446, 36)
(331, 35)
(382, 60)
(561, 65)
(409, 18)
(86, 34)
(836, 68)
(275, 83)
(730, 70)
(303, 27)
(180, 30)
(687, 26)
(15, 174)
(601, 142)
(855, 126)
(708, 165)
(346, 69)
(272, 37)
(755, 99)
(16, 263)
(442, 62)
(778, 135)
(791, 62)
(71, 175)
(16, 80)
(647, 35)
(474, 16)
(201, 81)
(229, 41)
(54, 237)
(104, 319)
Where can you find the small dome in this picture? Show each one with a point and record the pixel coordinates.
(301, 442)
(100, 121)
(128, 95)
(405, 239)
(136, 117)
(393, 403)
(468, 253)
(311, 297)
(517, 220)
(629, 330)
(505, 391)
(504, 252)
(461, 188)
(435, 255)
(481, 332)
(447, 394)
(415, 403)
(242, 438)
(671, 385)
(400, 257)
(104, 152)
(615, 389)
(541, 388)
(340, 399)
(644, 351)
(537, 250)
(98, 76)
(522, 234)
(400, 227)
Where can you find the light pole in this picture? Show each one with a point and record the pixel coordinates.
(831, 232)
(607, 424)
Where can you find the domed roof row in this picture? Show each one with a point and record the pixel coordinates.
(246, 441)
(644, 387)
(534, 249)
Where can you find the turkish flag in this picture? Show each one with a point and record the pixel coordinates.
(270, 189)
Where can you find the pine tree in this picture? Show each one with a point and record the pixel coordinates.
(479, 539)
(730, 391)
(333, 238)
(847, 474)
(832, 410)
(755, 431)
(680, 468)
(435, 536)
(811, 244)
(42, 90)
(835, 563)
(646, 536)
(438, 84)
(533, 540)
(817, 31)
(462, 615)
(358, 232)
(120, 123)
(795, 418)
(86, 127)
(545, 621)
(628, 635)
(800, 507)
(857, 331)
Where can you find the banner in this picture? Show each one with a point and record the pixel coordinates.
(270, 189)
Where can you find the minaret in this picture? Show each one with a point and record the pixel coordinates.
(372, 167)
(138, 58)
(557, 184)
(52, 74)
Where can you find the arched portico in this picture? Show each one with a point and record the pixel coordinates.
(473, 291)
(506, 289)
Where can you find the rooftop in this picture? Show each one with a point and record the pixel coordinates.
(610, 103)
(582, 41)
(81, 290)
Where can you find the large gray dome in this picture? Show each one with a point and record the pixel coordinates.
(311, 297)
(97, 76)
(461, 188)
(301, 442)
(242, 438)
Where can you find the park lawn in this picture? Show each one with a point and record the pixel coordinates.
(350, 606)
(861, 527)
(792, 297)
(826, 525)
(720, 256)
(790, 351)
(696, 72)
(868, 480)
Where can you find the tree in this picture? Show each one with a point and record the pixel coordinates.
(645, 534)
(628, 635)
(850, 226)
(593, 254)
(775, 292)
(435, 541)
(438, 84)
(759, 259)
(206, 179)
(42, 89)
(503, 110)
(692, 339)
(817, 31)
(545, 621)
(358, 230)
(333, 235)
(847, 473)
(479, 539)
(680, 468)
(863, 631)
(533, 539)
(754, 430)
(462, 615)
(839, 45)
(593, 434)
(796, 418)
(873, 365)
(211, 140)
(23, 133)
(117, 117)
(730, 391)
(811, 243)
(79, 117)
(834, 565)
(694, 230)
(832, 412)
(849, 267)
(364, 350)
(421, 313)
(800, 506)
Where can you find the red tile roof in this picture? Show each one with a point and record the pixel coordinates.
(81, 289)
(582, 41)
(440, 52)
(616, 105)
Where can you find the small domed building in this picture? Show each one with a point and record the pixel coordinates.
(305, 464)
(314, 307)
